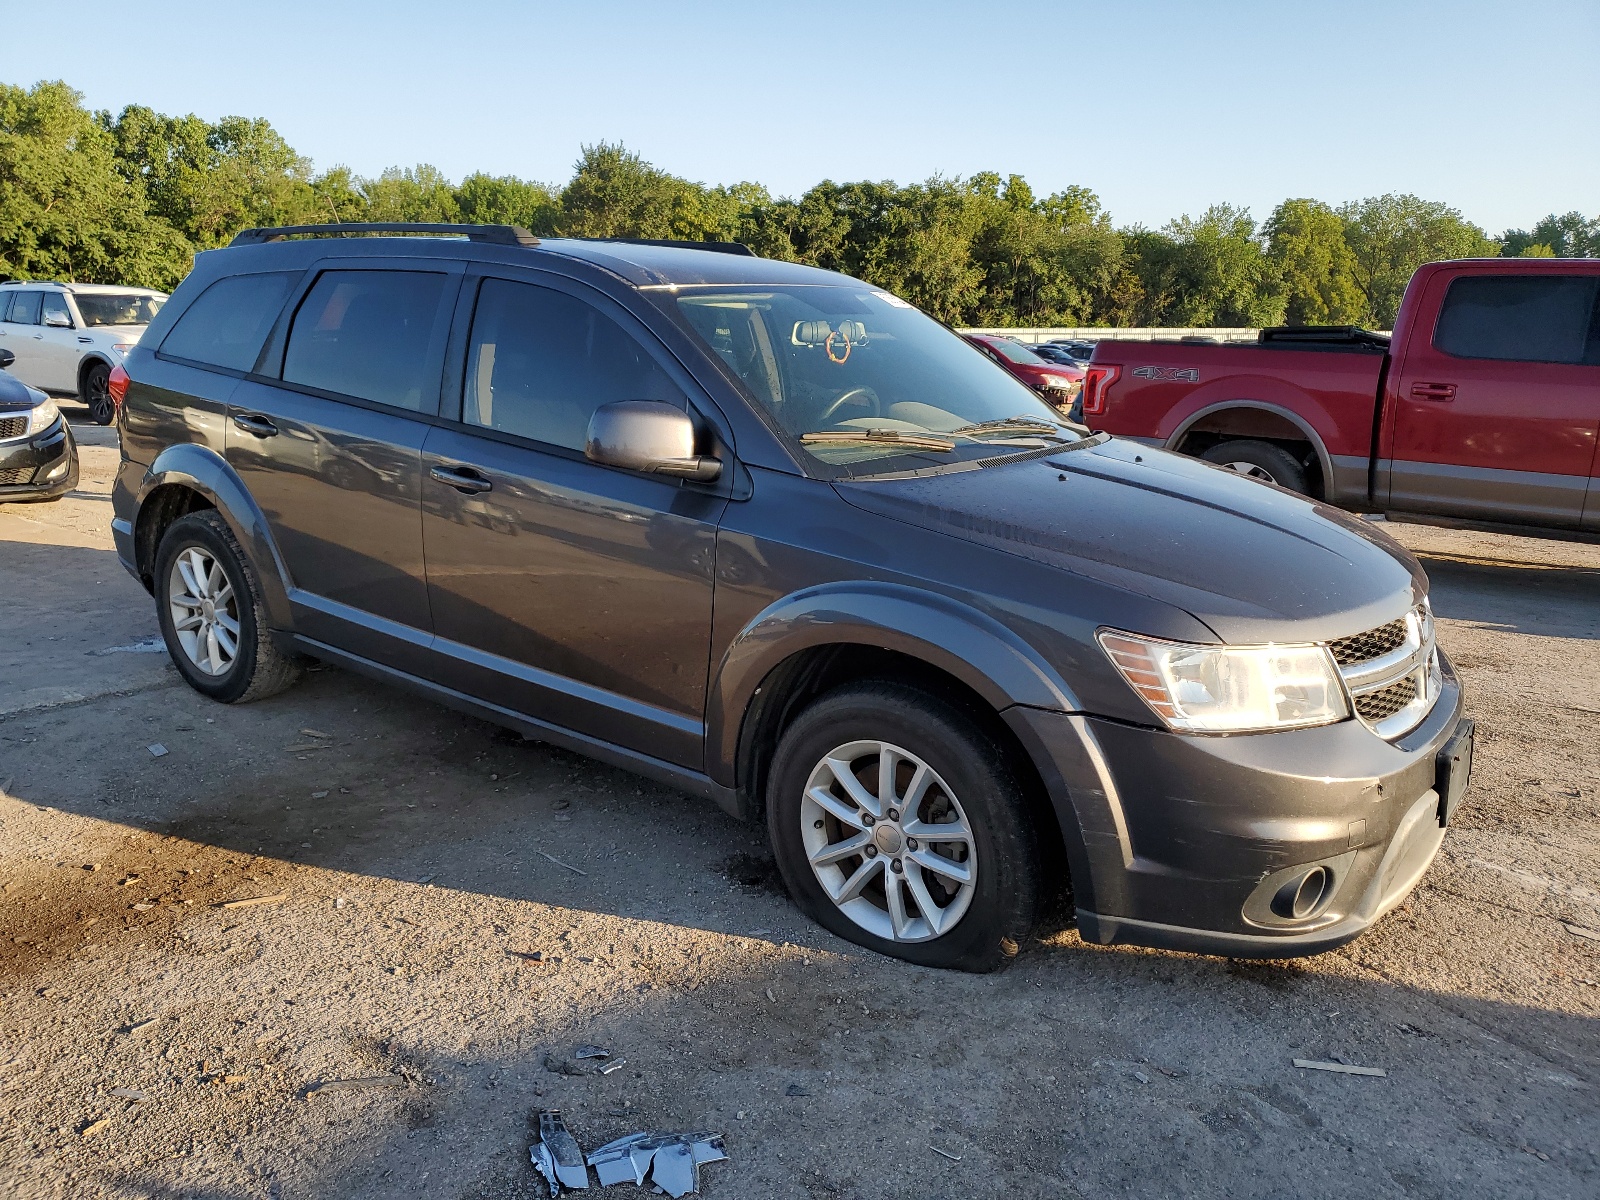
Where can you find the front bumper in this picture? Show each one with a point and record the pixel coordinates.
(40, 467)
(1184, 842)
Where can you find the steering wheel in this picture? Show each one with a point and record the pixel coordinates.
(862, 392)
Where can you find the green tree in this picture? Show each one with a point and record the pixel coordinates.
(1212, 270)
(507, 200)
(1571, 235)
(419, 193)
(66, 212)
(1391, 236)
(1305, 242)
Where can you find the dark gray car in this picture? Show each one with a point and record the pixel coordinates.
(774, 537)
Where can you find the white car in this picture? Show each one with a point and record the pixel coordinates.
(68, 336)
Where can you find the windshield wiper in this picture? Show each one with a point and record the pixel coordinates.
(893, 437)
(1023, 424)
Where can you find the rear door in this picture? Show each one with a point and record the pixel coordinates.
(22, 334)
(1497, 403)
(572, 592)
(330, 446)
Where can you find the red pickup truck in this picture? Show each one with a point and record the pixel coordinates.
(1482, 408)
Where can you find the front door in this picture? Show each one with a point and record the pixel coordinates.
(1498, 404)
(59, 349)
(332, 451)
(575, 593)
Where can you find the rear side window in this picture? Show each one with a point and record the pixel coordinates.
(367, 334)
(1521, 318)
(226, 326)
(540, 362)
(25, 308)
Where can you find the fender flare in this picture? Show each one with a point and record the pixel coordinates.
(943, 632)
(1176, 437)
(203, 470)
(93, 356)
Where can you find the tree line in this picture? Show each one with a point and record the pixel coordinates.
(130, 198)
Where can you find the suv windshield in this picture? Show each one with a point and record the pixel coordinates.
(859, 376)
(118, 308)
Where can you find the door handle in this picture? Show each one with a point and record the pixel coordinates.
(1433, 391)
(255, 423)
(463, 479)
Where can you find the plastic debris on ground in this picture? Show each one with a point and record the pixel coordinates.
(669, 1161)
(588, 1051)
(557, 1154)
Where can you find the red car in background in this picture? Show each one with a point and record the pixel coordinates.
(1057, 383)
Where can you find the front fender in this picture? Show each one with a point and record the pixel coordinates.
(205, 471)
(938, 630)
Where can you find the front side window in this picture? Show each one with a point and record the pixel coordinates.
(860, 377)
(25, 308)
(54, 311)
(540, 362)
(367, 334)
(227, 325)
(1521, 318)
(118, 308)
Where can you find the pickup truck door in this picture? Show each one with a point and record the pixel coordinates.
(1496, 402)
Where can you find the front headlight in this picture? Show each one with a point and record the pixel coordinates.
(1056, 381)
(124, 348)
(1229, 689)
(43, 416)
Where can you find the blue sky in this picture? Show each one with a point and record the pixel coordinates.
(1161, 108)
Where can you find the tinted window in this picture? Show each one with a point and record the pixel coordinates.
(367, 334)
(226, 326)
(1546, 318)
(25, 308)
(540, 362)
(55, 302)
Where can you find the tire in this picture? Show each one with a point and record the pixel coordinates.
(96, 393)
(1260, 461)
(969, 786)
(255, 668)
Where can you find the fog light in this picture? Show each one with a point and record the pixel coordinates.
(57, 471)
(1299, 898)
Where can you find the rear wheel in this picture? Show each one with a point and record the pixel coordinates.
(96, 393)
(211, 615)
(1261, 461)
(897, 824)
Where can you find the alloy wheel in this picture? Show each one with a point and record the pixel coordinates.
(204, 610)
(888, 841)
(1252, 471)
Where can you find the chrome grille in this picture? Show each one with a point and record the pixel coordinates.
(1391, 672)
(1374, 642)
(11, 427)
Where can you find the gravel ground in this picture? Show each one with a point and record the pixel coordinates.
(443, 911)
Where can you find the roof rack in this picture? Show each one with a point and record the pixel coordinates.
(498, 235)
(716, 247)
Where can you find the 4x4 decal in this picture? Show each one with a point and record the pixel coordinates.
(1177, 374)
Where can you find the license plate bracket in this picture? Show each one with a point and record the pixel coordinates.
(1453, 770)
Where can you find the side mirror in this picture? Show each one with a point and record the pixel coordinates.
(56, 319)
(649, 436)
(6, 359)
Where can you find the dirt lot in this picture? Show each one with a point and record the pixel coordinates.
(455, 909)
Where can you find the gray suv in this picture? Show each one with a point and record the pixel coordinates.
(772, 536)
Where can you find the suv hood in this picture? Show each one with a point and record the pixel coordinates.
(1253, 562)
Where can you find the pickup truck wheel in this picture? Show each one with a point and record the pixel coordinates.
(897, 825)
(1262, 461)
(211, 615)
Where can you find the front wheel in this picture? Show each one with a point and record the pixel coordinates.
(898, 825)
(211, 614)
(97, 394)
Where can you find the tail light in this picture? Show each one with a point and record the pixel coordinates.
(117, 385)
(1097, 380)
